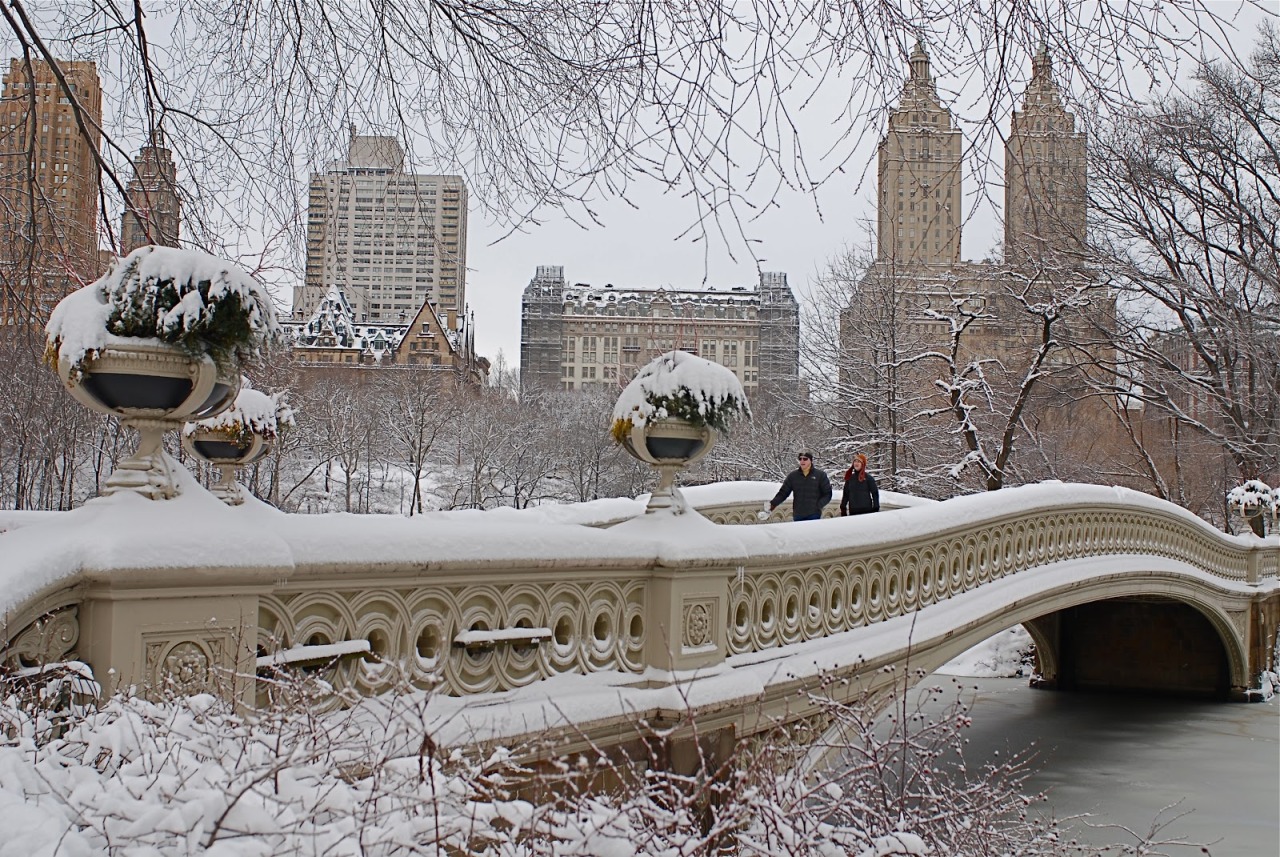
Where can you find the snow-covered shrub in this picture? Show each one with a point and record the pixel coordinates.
(199, 775)
(201, 303)
(40, 701)
(684, 386)
(253, 412)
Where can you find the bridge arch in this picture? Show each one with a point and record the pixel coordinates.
(1182, 586)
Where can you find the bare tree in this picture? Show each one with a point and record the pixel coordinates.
(548, 105)
(862, 355)
(541, 106)
(1188, 200)
(941, 373)
(421, 408)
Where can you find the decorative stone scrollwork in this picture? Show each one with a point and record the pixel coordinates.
(870, 589)
(49, 639)
(593, 626)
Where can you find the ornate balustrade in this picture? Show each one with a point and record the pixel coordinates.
(844, 589)
(479, 602)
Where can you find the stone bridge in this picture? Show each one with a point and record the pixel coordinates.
(588, 620)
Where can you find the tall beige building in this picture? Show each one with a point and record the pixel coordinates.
(48, 186)
(918, 292)
(1044, 174)
(919, 170)
(389, 239)
(153, 213)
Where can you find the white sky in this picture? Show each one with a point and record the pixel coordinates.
(640, 247)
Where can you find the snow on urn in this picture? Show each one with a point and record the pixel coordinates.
(159, 340)
(238, 437)
(1256, 502)
(670, 414)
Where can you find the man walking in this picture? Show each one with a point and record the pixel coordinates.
(809, 489)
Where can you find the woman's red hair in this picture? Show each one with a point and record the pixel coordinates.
(862, 474)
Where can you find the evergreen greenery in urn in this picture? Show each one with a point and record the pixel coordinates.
(1255, 501)
(158, 340)
(669, 414)
(239, 436)
(200, 303)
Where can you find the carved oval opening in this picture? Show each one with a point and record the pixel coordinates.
(740, 617)
(636, 631)
(523, 647)
(602, 628)
(379, 644)
(792, 609)
(564, 631)
(477, 654)
(428, 643)
(766, 613)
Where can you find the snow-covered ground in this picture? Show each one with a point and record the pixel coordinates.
(1005, 655)
(196, 777)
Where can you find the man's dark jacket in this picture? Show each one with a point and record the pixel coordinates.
(808, 493)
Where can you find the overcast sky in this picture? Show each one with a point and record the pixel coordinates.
(640, 248)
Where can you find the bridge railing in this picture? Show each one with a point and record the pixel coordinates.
(479, 602)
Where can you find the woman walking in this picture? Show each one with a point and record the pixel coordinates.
(860, 492)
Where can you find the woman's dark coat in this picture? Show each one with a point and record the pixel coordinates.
(859, 497)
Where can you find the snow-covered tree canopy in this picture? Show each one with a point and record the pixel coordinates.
(199, 302)
(680, 385)
(254, 412)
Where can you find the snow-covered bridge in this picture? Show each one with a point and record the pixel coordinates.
(592, 618)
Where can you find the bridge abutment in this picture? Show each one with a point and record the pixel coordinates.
(1264, 635)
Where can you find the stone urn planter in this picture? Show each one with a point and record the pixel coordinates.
(670, 415)
(1255, 501)
(152, 388)
(239, 436)
(157, 341)
(670, 445)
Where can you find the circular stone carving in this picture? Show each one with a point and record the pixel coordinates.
(697, 626)
(186, 665)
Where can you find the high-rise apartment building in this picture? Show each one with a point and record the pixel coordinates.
(389, 239)
(48, 185)
(919, 170)
(918, 299)
(580, 336)
(920, 201)
(1044, 174)
(153, 213)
